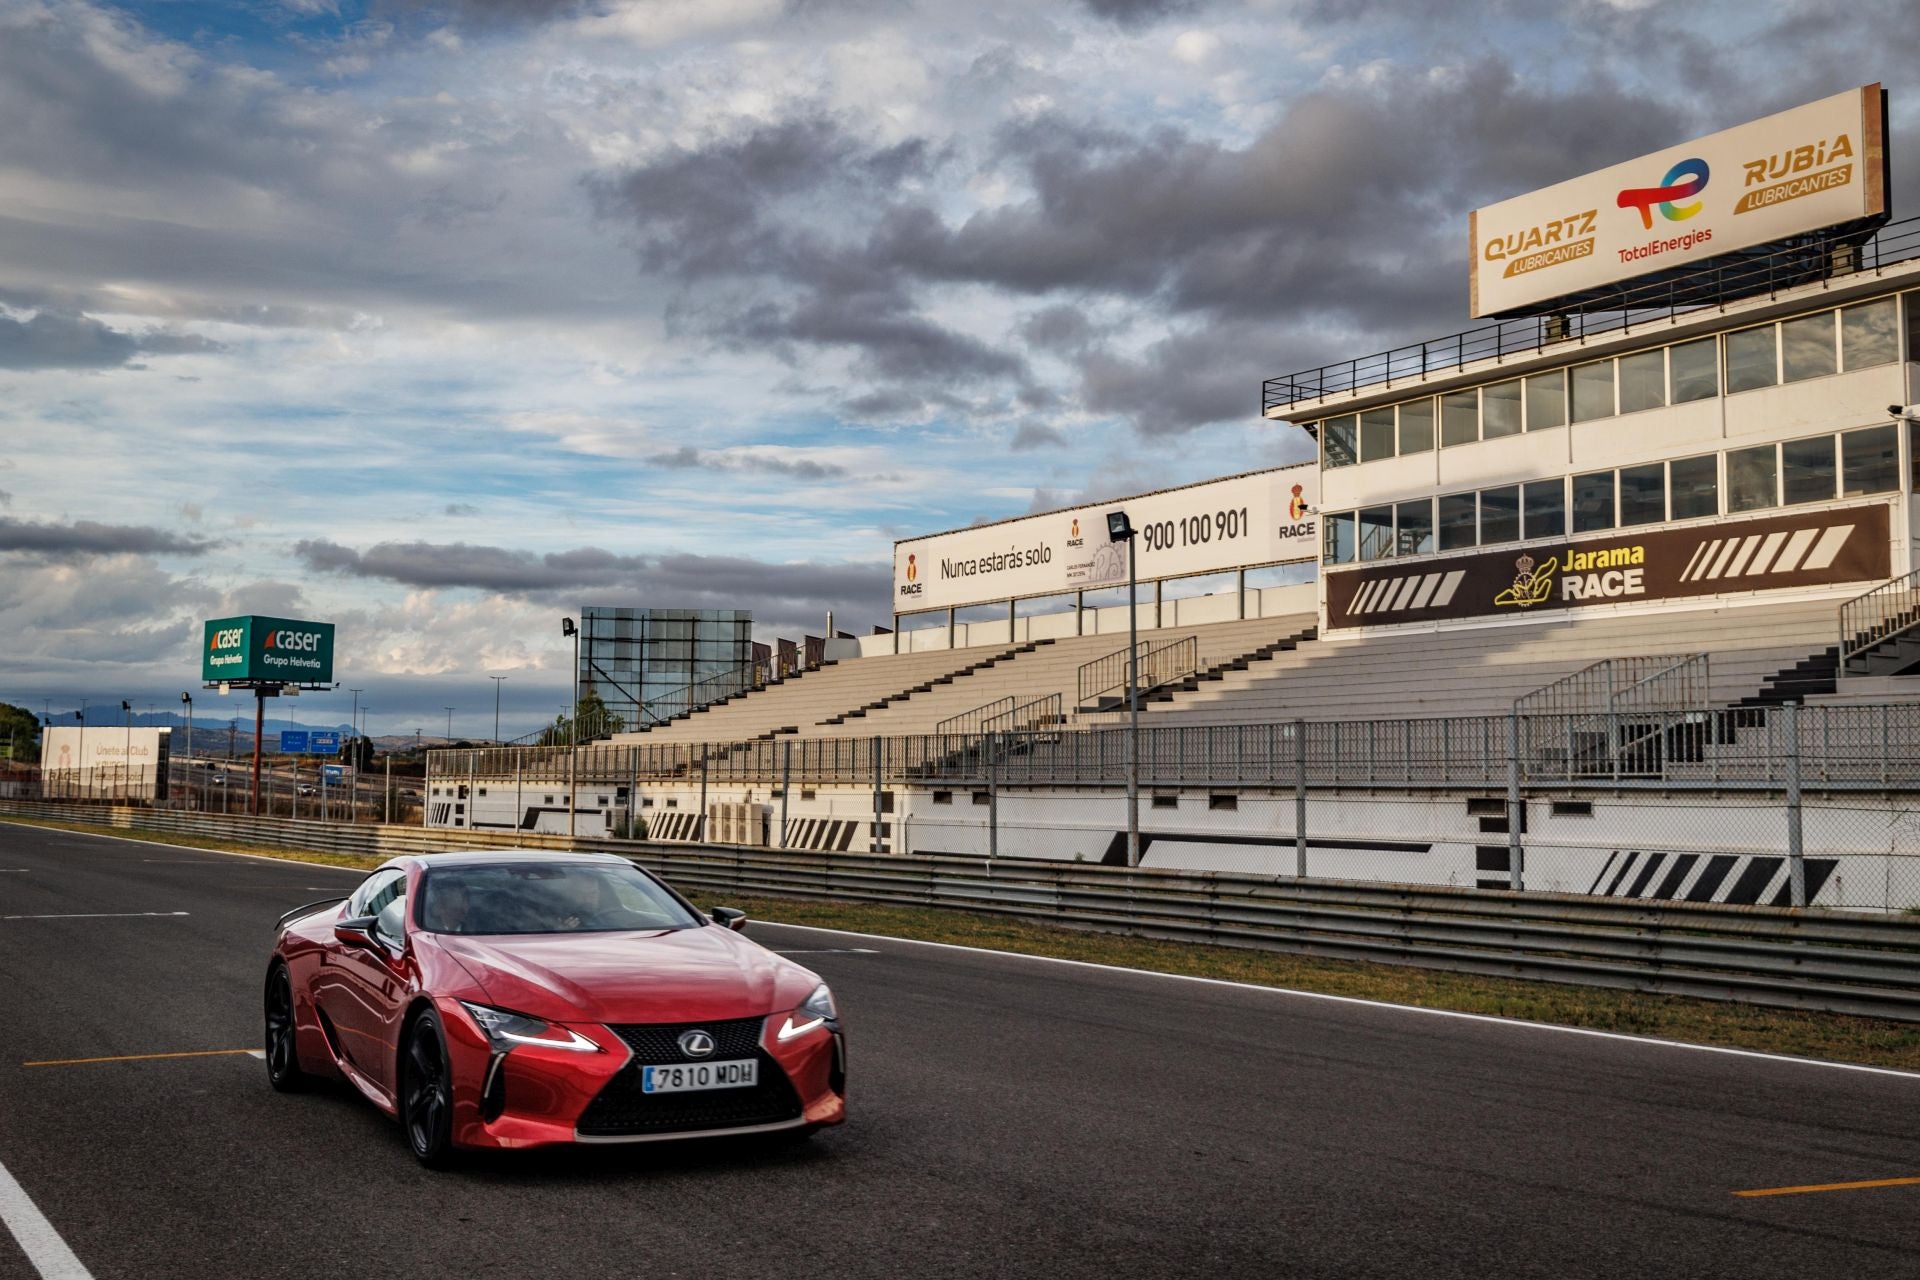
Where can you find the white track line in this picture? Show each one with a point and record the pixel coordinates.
(38, 1240)
(1374, 1004)
(99, 915)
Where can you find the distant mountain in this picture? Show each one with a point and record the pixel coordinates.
(109, 716)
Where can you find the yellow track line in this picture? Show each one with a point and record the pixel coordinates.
(1831, 1186)
(136, 1057)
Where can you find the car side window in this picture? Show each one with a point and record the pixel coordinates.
(390, 921)
(376, 891)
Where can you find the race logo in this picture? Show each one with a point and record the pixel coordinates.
(913, 569)
(1297, 505)
(1684, 181)
(911, 587)
(1074, 539)
(1532, 584)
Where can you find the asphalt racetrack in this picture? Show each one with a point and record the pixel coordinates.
(1011, 1117)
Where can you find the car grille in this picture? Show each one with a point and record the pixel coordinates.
(622, 1110)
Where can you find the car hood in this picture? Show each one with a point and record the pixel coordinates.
(680, 975)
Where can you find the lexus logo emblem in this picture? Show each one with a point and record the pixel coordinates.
(696, 1044)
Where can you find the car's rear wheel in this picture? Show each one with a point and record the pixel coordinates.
(426, 1092)
(283, 1058)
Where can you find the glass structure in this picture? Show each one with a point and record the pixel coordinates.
(645, 665)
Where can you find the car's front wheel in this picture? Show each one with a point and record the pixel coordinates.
(283, 1058)
(426, 1092)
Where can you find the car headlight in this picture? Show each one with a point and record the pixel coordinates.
(504, 1030)
(815, 1011)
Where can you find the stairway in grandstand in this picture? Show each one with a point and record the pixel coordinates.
(1481, 670)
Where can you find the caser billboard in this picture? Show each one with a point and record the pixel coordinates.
(1262, 517)
(267, 650)
(1812, 167)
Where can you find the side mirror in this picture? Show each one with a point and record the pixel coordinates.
(355, 931)
(732, 917)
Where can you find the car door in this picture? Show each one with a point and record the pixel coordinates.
(359, 981)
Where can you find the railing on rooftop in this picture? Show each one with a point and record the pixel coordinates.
(1819, 259)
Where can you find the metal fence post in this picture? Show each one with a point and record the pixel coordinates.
(786, 786)
(1516, 813)
(700, 819)
(1300, 799)
(993, 800)
(1796, 850)
(876, 793)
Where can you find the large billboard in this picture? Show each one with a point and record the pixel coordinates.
(267, 650)
(1811, 549)
(1815, 166)
(109, 762)
(1262, 517)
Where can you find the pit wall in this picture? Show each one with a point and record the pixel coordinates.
(1862, 851)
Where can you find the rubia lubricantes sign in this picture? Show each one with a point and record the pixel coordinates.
(1258, 518)
(254, 649)
(1810, 549)
(1816, 166)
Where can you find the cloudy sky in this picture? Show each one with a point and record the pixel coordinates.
(440, 320)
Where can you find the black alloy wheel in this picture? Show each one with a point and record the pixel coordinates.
(426, 1092)
(283, 1062)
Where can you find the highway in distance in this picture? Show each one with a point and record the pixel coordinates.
(1009, 1117)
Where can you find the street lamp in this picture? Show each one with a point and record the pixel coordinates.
(1119, 529)
(126, 760)
(497, 682)
(188, 699)
(449, 726)
(567, 628)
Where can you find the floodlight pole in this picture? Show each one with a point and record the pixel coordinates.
(496, 707)
(1133, 711)
(259, 728)
(567, 628)
(188, 699)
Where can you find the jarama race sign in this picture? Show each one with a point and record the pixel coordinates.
(268, 650)
(1809, 549)
(1813, 167)
(1261, 517)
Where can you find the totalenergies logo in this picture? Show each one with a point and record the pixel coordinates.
(1684, 181)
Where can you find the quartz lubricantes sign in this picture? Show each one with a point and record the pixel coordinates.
(261, 650)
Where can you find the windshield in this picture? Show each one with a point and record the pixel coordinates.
(546, 897)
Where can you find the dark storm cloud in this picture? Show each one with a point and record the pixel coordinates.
(90, 538)
(686, 457)
(1138, 13)
(60, 340)
(740, 216)
(778, 591)
(1036, 435)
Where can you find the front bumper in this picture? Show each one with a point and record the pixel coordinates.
(534, 1096)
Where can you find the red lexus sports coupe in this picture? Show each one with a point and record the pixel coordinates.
(519, 998)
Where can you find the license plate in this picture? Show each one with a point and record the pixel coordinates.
(742, 1073)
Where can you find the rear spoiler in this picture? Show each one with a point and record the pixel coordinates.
(304, 908)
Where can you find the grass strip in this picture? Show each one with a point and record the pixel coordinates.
(1800, 1033)
(1831, 1036)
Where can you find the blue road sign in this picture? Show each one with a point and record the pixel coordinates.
(334, 772)
(293, 741)
(324, 742)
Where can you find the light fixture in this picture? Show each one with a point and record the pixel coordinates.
(1118, 527)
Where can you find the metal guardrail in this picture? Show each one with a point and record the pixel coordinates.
(1871, 619)
(1836, 747)
(1039, 715)
(974, 721)
(1833, 962)
(1810, 261)
(1108, 674)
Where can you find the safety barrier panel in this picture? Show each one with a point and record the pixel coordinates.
(1834, 962)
